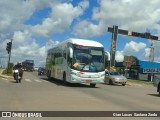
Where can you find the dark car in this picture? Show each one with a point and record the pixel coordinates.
(41, 71)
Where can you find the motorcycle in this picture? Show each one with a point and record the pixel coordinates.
(17, 76)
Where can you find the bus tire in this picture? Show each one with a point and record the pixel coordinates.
(64, 79)
(49, 75)
(93, 85)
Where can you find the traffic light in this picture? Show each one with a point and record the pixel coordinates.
(9, 46)
(136, 34)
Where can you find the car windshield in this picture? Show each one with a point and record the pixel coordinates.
(88, 58)
(114, 73)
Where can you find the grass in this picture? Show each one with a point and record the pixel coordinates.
(4, 72)
(140, 81)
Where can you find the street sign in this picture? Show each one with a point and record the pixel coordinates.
(135, 34)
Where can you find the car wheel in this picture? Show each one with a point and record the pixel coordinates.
(123, 84)
(110, 82)
(92, 84)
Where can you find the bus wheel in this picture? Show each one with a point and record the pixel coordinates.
(92, 84)
(49, 75)
(64, 79)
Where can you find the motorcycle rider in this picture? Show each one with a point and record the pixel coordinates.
(19, 67)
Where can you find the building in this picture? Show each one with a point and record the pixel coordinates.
(142, 70)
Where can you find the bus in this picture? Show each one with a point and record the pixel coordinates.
(28, 65)
(77, 61)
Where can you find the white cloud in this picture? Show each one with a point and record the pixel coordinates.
(15, 13)
(119, 56)
(133, 47)
(133, 15)
(60, 19)
(86, 29)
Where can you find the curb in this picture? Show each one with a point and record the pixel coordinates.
(7, 77)
(133, 84)
(4, 76)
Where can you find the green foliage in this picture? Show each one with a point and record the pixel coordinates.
(134, 58)
(10, 69)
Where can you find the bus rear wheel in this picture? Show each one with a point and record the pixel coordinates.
(92, 84)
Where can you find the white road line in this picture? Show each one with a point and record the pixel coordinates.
(4, 79)
(37, 80)
(28, 80)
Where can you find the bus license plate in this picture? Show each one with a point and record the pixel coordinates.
(88, 81)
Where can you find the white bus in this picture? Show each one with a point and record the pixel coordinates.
(77, 61)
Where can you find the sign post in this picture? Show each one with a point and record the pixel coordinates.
(115, 31)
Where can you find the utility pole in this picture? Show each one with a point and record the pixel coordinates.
(9, 48)
(115, 31)
(113, 46)
(152, 59)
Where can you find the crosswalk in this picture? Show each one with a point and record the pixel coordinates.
(34, 80)
(28, 80)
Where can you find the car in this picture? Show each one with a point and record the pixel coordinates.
(36, 68)
(114, 77)
(41, 71)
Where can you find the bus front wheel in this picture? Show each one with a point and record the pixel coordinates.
(64, 79)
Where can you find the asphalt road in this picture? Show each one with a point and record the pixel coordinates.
(36, 93)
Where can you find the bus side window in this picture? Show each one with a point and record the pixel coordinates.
(69, 60)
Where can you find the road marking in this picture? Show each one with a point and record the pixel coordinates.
(4, 79)
(28, 80)
(37, 80)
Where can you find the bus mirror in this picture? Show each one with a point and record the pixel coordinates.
(107, 55)
(70, 52)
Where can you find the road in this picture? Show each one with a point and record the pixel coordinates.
(36, 93)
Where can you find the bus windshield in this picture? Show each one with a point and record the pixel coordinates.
(88, 59)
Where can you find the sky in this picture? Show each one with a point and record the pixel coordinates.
(37, 25)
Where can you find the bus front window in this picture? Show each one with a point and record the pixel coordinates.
(88, 59)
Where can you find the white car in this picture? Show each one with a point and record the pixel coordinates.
(114, 77)
(36, 68)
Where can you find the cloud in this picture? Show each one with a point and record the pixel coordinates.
(132, 15)
(60, 19)
(86, 29)
(14, 13)
(25, 46)
(133, 47)
(119, 56)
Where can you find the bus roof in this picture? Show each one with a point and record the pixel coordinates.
(84, 42)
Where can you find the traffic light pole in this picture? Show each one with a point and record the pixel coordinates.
(115, 31)
(9, 58)
(113, 46)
